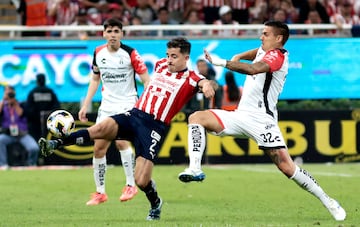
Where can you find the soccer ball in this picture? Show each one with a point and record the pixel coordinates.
(60, 123)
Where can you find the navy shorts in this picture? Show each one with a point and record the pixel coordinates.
(146, 134)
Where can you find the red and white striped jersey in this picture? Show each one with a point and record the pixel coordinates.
(168, 92)
(117, 71)
(261, 91)
(66, 13)
(213, 3)
(235, 4)
(172, 5)
(351, 20)
(239, 4)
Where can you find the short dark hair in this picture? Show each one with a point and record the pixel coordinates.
(180, 42)
(40, 79)
(164, 8)
(200, 60)
(112, 22)
(280, 29)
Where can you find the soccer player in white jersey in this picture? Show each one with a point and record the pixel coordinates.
(114, 67)
(256, 115)
(147, 124)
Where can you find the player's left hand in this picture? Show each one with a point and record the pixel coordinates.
(208, 88)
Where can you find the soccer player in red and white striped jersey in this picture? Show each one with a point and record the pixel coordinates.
(147, 124)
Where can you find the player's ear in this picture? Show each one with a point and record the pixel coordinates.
(279, 38)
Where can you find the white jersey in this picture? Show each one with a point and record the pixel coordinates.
(261, 91)
(256, 115)
(117, 71)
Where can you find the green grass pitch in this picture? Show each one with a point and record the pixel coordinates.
(231, 195)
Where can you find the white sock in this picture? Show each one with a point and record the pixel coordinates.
(127, 160)
(307, 182)
(99, 165)
(197, 143)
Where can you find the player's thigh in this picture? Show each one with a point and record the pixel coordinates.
(207, 119)
(230, 123)
(149, 139)
(106, 129)
(261, 127)
(143, 171)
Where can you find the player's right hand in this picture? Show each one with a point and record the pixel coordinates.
(82, 114)
(207, 56)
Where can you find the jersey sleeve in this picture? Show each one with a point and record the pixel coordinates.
(274, 58)
(160, 65)
(94, 66)
(196, 77)
(137, 62)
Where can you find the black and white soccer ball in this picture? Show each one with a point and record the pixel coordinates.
(60, 123)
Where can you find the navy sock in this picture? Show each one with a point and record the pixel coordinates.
(151, 193)
(79, 137)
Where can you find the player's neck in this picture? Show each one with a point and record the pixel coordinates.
(113, 48)
(184, 70)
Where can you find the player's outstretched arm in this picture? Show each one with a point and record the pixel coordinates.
(247, 55)
(248, 69)
(240, 67)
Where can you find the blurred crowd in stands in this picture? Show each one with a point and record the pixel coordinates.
(23, 123)
(147, 12)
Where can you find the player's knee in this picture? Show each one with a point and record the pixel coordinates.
(197, 117)
(142, 179)
(122, 144)
(141, 183)
(99, 152)
(96, 130)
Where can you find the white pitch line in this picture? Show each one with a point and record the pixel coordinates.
(263, 170)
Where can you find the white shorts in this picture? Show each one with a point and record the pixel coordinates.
(261, 127)
(123, 107)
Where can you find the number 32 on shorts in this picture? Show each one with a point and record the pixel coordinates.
(269, 138)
